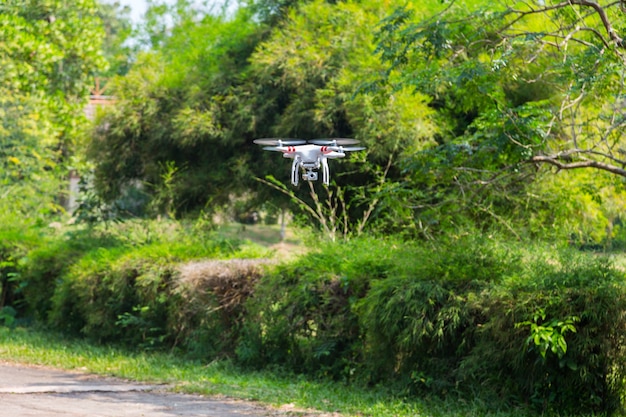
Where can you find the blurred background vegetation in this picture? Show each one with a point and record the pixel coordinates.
(477, 241)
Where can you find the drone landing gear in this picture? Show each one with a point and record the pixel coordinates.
(295, 167)
(325, 172)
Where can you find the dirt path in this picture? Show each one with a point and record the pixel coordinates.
(35, 391)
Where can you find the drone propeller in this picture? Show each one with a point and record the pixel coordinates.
(279, 142)
(334, 141)
(352, 148)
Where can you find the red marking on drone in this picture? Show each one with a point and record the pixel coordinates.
(325, 150)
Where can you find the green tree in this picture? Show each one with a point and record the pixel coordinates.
(51, 49)
(166, 131)
(308, 82)
(119, 47)
(514, 86)
(217, 83)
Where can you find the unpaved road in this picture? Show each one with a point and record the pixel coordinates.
(35, 391)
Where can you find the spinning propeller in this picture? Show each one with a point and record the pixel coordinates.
(279, 142)
(337, 144)
(334, 141)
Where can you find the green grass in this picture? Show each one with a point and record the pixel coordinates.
(24, 345)
(265, 235)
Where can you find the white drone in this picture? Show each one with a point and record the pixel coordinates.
(307, 158)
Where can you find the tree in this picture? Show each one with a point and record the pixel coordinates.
(50, 53)
(556, 67)
(166, 131)
(306, 81)
(216, 84)
(119, 48)
(514, 85)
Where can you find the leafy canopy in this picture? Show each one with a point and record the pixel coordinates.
(50, 51)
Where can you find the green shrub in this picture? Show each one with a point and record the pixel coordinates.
(122, 293)
(43, 267)
(15, 244)
(420, 323)
(302, 315)
(132, 294)
(543, 330)
(91, 294)
(503, 323)
(554, 336)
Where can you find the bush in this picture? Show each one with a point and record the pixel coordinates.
(123, 293)
(419, 324)
(44, 265)
(472, 317)
(302, 314)
(15, 245)
(554, 335)
(208, 308)
(506, 323)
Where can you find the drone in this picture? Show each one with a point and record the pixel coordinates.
(309, 157)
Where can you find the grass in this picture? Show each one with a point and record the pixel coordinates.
(25, 345)
(268, 237)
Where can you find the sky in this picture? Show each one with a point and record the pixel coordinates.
(138, 7)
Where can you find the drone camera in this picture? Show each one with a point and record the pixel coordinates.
(309, 176)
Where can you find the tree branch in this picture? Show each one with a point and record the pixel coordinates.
(619, 42)
(598, 9)
(555, 160)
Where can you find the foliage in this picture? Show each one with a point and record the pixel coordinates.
(112, 283)
(51, 47)
(459, 103)
(512, 89)
(301, 316)
(51, 50)
(572, 290)
(30, 157)
(548, 50)
(164, 132)
(527, 323)
(451, 100)
(15, 244)
(192, 108)
(118, 48)
(42, 267)
(312, 68)
(449, 114)
(124, 292)
(472, 318)
(7, 316)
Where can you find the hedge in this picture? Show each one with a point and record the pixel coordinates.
(508, 323)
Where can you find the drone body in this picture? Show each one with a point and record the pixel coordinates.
(309, 157)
